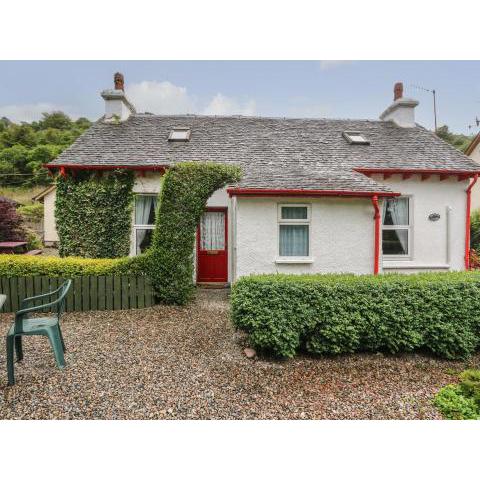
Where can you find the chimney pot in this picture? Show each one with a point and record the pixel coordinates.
(119, 81)
(397, 91)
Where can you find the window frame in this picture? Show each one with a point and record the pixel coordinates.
(294, 221)
(348, 136)
(408, 228)
(179, 129)
(138, 226)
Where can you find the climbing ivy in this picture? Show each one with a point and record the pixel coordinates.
(93, 214)
(185, 191)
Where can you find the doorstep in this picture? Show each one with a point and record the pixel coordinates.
(213, 285)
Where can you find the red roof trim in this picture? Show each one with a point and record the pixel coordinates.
(260, 192)
(419, 171)
(473, 144)
(107, 167)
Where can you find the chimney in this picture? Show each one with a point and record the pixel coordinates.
(402, 110)
(117, 107)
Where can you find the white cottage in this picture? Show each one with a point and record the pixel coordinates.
(317, 195)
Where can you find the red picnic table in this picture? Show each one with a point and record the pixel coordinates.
(9, 247)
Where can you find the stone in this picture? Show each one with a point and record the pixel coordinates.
(250, 352)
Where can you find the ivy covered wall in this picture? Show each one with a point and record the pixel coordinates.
(93, 214)
(183, 198)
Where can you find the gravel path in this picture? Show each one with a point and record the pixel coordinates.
(188, 363)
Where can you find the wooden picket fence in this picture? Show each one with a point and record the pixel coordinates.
(116, 292)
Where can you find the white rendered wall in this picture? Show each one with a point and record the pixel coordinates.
(50, 229)
(342, 236)
(475, 155)
(436, 245)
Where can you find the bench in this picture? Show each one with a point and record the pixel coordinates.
(33, 252)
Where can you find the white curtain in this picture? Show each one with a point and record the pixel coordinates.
(212, 231)
(144, 204)
(293, 240)
(143, 208)
(396, 213)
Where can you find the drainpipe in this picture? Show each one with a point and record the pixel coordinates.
(467, 221)
(376, 218)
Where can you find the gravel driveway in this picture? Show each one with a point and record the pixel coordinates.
(188, 363)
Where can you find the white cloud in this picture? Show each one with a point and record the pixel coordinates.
(30, 112)
(223, 105)
(331, 64)
(167, 98)
(160, 98)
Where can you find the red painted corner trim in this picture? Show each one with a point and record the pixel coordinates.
(263, 192)
(376, 218)
(141, 168)
(473, 144)
(467, 222)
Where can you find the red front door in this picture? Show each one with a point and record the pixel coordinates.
(212, 252)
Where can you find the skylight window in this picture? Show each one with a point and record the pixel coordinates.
(179, 135)
(355, 138)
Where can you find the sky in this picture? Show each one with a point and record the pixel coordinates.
(327, 89)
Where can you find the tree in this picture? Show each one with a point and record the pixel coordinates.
(18, 135)
(458, 140)
(58, 120)
(11, 223)
(26, 147)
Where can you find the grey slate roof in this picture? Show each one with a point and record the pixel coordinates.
(274, 153)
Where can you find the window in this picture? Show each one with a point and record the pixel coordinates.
(294, 230)
(355, 138)
(144, 222)
(396, 226)
(179, 135)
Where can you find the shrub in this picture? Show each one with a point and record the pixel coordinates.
(335, 314)
(185, 191)
(474, 260)
(33, 241)
(462, 401)
(470, 385)
(475, 230)
(33, 212)
(453, 405)
(11, 223)
(94, 214)
(28, 266)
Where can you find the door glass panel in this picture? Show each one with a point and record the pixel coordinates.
(212, 231)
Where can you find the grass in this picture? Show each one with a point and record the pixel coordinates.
(21, 195)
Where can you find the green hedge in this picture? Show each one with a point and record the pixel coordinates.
(336, 314)
(94, 214)
(185, 191)
(28, 266)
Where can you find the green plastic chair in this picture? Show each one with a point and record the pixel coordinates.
(47, 326)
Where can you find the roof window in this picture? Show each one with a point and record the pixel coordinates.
(179, 135)
(355, 138)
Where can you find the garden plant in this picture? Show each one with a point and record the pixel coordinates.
(461, 401)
